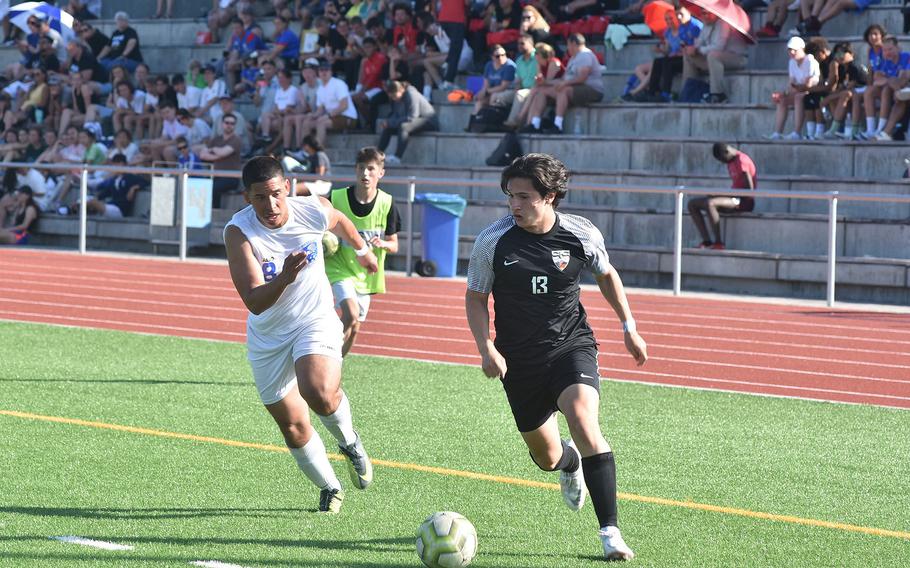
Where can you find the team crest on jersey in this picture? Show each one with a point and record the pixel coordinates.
(560, 258)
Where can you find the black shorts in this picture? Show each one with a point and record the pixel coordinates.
(812, 101)
(532, 392)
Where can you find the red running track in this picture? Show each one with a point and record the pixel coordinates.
(761, 348)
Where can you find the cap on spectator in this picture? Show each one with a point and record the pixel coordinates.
(796, 42)
(324, 64)
(94, 128)
(311, 62)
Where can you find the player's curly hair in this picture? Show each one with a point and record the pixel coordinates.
(547, 174)
(260, 169)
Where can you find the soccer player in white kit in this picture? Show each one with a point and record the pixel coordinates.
(294, 336)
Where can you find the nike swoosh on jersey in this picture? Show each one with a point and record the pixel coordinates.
(509, 262)
(584, 376)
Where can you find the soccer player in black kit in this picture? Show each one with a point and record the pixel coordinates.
(545, 353)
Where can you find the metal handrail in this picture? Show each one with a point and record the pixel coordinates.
(833, 197)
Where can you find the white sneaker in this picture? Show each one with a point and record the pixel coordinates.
(773, 136)
(392, 160)
(883, 137)
(615, 548)
(809, 137)
(793, 136)
(868, 135)
(573, 484)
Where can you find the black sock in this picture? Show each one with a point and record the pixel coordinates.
(600, 477)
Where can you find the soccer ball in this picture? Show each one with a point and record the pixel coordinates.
(446, 540)
(329, 243)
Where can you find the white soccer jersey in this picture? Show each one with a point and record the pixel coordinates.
(309, 298)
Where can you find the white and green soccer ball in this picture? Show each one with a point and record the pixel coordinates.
(446, 540)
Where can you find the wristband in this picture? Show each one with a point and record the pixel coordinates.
(364, 251)
(628, 326)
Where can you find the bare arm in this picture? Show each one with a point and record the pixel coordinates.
(750, 181)
(478, 312)
(390, 243)
(257, 294)
(613, 291)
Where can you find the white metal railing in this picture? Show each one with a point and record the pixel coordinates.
(832, 197)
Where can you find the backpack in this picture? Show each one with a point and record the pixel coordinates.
(509, 148)
(489, 119)
(693, 91)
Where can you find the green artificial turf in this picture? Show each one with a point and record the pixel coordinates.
(178, 501)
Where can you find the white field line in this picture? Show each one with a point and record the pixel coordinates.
(102, 544)
(367, 333)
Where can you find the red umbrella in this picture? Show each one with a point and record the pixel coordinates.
(729, 12)
(655, 16)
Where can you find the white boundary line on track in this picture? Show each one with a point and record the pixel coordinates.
(102, 544)
(3, 315)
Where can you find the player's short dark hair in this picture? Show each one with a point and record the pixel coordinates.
(873, 28)
(722, 151)
(260, 169)
(546, 173)
(369, 155)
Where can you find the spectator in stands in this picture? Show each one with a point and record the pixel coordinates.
(582, 84)
(294, 123)
(82, 10)
(223, 12)
(267, 86)
(369, 83)
(286, 45)
(47, 56)
(129, 104)
(330, 43)
(347, 63)
(198, 130)
(899, 86)
(15, 143)
(434, 46)
(498, 80)
(184, 155)
(123, 144)
(208, 98)
(743, 176)
(241, 129)
(534, 24)
(330, 11)
(718, 49)
(94, 75)
(411, 113)
(188, 96)
(249, 76)
(804, 73)
(682, 31)
(95, 152)
(831, 9)
(152, 150)
(890, 77)
(124, 46)
(34, 147)
(50, 148)
(313, 154)
(404, 33)
(775, 18)
(195, 76)
(224, 153)
(818, 48)
(6, 111)
(55, 102)
(25, 212)
(95, 39)
(334, 108)
(848, 76)
(164, 12)
(453, 18)
(33, 103)
(285, 104)
(115, 196)
(549, 69)
(526, 71)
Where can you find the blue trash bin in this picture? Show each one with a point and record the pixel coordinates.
(439, 232)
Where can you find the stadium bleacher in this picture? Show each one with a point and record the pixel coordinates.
(779, 248)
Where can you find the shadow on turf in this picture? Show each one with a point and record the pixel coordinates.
(132, 382)
(169, 513)
(118, 559)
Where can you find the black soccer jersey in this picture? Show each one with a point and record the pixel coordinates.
(534, 281)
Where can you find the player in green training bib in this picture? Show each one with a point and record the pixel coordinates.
(375, 216)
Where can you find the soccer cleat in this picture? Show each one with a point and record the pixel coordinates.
(573, 484)
(330, 501)
(359, 465)
(615, 548)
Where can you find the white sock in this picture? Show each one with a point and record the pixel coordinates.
(340, 423)
(557, 122)
(848, 127)
(870, 124)
(881, 124)
(314, 463)
(819, 129)
(810, 127)
(535, 122)
(427, 91)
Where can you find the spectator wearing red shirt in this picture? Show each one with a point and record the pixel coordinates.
(369, 80)
(453, 19)
(742, 174)
(404, 34)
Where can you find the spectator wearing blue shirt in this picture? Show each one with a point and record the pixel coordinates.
(287, 45)
(115, 196)
(682, 30)
(498, 77)
(186, 158)
(897, 73)
(890, 77)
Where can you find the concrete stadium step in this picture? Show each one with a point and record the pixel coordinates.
(648, 120)
(877, 161)
(746, 87)
(846, 24)
(656, 202)
(768, 54)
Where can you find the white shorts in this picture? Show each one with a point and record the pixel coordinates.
(343, 290)
(272, 359)
(111, 211)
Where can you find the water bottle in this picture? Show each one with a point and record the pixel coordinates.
(577, 129)
(39, 115)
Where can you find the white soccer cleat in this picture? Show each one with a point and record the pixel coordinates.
(573, 484)
(615, 548)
